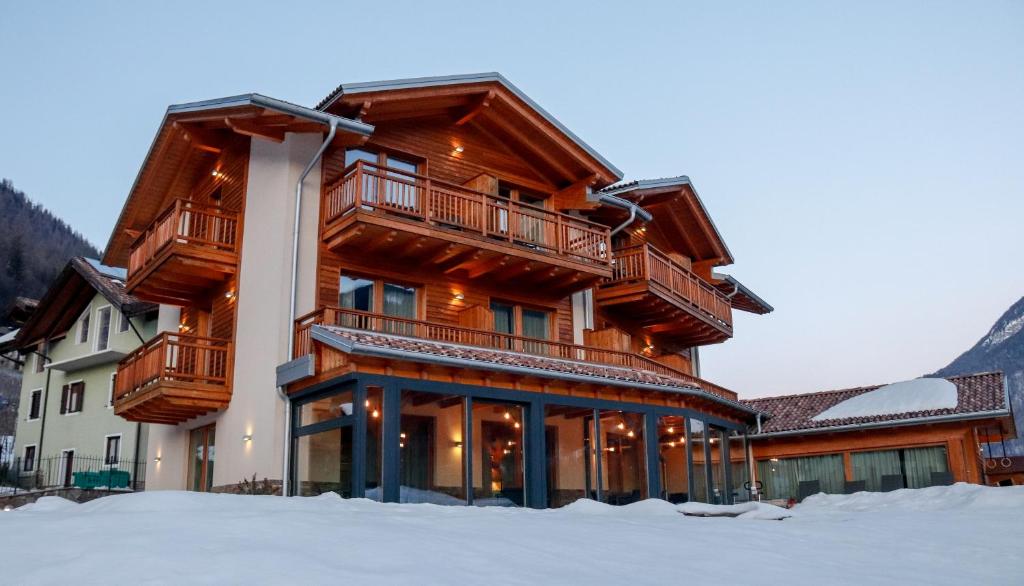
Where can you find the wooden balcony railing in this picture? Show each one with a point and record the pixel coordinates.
(371, 187)
(645, 262)
(185, 222)
(173, 357)
(374, 322)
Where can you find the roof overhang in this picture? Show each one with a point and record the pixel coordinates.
(192, 135)
(679, 216)
(347, 345)
(930, 420)
(480, 98)
(742, 298)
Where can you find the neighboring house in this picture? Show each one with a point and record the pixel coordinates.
(488, 316)
(70, 347)
(910, 434)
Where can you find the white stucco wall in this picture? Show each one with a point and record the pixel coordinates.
(262, 329)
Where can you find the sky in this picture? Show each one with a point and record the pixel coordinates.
(864, 161)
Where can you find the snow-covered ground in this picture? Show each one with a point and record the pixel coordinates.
(962, 534)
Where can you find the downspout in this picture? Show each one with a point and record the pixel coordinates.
(138, 424)
(635, 211)
(46, 399)
(758, 422)
(293, 293)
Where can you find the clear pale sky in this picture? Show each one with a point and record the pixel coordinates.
(864, 160)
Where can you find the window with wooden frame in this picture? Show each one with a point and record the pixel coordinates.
(82, 335)
(35, 404)
(71, 397)
(378, 296)
(529, 227)
(123, 324)
(520, 320)
(397, 177)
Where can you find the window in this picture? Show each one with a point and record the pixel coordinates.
(39, 359)
(35, 404)
(521, 321)
(112, 450)
(399, 192)
(377, 296)
(103, 316)
(123, 324)
(28, 462)
(71, 398)
(83, 328)
(201, 458)
(110, 392)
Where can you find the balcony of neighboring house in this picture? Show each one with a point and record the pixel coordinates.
(457, 231)
(189, 250)
(486, 339)
(665, 298)
(173, 378)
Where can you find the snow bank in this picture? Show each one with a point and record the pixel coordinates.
(960, 496)
(923, 394)
(748, 510)
(939, 536)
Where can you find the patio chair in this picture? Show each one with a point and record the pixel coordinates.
(891, 482)
(806, 488)
(852, 486)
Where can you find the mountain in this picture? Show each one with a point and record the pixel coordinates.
(34, 246)
(1001, 349)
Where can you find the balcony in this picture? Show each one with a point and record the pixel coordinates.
(189, 250)
(452, 230)
(173, 378)
(666, 299)
(384, 324)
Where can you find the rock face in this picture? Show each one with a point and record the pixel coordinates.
(1001, 349)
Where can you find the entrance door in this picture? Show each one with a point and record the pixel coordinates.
(201, 455)
(68, 467)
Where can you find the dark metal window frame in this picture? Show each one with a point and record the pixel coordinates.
(533, 404)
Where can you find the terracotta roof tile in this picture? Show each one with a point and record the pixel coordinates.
(976, 393)
(486, 356)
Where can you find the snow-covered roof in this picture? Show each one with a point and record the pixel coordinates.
(922, 400)
(922, 394)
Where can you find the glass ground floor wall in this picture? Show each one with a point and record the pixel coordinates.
(876, 471)
(400, 440)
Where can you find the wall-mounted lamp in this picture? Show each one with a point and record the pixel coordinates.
(456, 444)
(247, 438)
(230, 295)
(183, 328)
(216, 173)
(459, 149)
(460, 296)
(157, 459)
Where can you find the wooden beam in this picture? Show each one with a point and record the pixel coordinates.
(247, 128)
(475, 108)
(199, 137)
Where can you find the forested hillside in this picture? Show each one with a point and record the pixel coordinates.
(34, 246)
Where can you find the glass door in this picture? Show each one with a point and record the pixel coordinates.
(201, 454)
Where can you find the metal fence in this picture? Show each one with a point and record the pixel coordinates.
(70, 471)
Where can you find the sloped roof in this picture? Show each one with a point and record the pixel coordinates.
(741, 296)
(374, 344)
(977, 395)
(70, 292)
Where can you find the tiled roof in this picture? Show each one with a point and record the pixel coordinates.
(976, 393)
(110, 282)
(349, 340)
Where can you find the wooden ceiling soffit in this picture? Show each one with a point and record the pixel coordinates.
(199, 137)
(547, 175)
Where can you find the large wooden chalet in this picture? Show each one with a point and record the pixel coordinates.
(424, 290)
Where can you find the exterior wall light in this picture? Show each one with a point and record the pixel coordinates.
(247, 438)
(456, 444)
(157, 459)
(460, 296)
(459, 148)
(230, 295)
